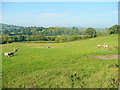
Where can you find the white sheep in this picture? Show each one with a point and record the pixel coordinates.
(15, 50)
(106, 46)
(98, 46)
(11, 53)
(7, 54)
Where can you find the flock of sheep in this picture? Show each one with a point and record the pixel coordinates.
(104, 45)
(8, 54)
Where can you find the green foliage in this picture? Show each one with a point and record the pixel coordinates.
(38, 37)
(114, 29)
(98, 33)
(59, 39)
(67, 38)
(86, 36)
(6, 32)
(21, 38)
(12, 33)
(51, 31)
(15, 38)
(91, 32)
(50, 38)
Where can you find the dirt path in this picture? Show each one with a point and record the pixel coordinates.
(105, 56)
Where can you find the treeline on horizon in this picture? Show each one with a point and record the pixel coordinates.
(13, 33)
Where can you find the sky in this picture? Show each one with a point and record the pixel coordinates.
(60, 0)
(61, 14)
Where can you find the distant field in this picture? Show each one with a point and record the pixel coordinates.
(64, 65)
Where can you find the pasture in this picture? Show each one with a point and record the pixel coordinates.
(64, 65)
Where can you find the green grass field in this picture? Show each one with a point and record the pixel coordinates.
(64, 65)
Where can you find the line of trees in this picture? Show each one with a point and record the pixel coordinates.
(12, 33)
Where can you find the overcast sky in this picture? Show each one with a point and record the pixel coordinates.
(63, 14)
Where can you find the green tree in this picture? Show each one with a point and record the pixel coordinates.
(15, 38)
(114, 29)
(6, 32)
(61, 39)
(39, 37)
(98, 33)
(5, 39)
(91, 32)
(21, 38)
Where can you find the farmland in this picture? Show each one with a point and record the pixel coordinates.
(64, 65)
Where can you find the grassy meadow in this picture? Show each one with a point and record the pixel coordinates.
(64, 65)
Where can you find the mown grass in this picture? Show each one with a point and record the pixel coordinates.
(64, 65)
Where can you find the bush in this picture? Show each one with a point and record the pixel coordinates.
(114, 29)
(3, 42)
(86, 36)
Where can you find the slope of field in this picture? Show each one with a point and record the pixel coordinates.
(64, 65)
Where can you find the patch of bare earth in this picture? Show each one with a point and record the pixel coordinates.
(105, 56)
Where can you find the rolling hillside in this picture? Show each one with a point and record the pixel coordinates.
(64, 65)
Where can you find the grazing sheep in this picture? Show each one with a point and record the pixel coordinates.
(48, 46)
(98, 46)
(8, 54)
(11, 53)
(106, 46)
(15, 50)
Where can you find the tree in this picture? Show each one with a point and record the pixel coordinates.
(98, 33)
(58, 39)
(39, 37)
(91, 32)
(5, 39)
(114, 29)
(50, 38)
(21, 38)
(6, 32)
(15, 38)
(34, 31)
